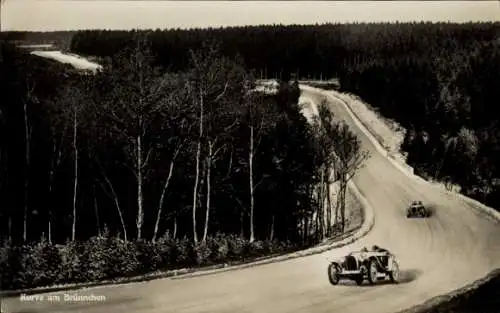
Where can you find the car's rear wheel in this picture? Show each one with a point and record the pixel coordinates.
(372, 272)
(333, 274)
(394, 274)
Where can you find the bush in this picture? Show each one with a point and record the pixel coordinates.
(200, 254)
(255, 249)
(219, 248)
(70, 263)
(6, 265)
(92, 259)
(236, 247)
(151, 256)
(104, 257)
(121, 258)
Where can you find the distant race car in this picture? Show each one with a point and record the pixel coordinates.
(377, 264)
(417, 209)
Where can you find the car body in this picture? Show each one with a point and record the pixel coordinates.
(417, 209)
(372, 265)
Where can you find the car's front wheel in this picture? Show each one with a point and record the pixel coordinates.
(394, 274)
(372, 272)
(333, 274)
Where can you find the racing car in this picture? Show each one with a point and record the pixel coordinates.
(417, 209)
(377, 264)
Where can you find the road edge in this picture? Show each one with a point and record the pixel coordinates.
(366, 226)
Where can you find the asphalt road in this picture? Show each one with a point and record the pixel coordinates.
(452, 248)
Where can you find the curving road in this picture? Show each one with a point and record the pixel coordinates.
(454, 247)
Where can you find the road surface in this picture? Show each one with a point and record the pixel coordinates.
(437, 255)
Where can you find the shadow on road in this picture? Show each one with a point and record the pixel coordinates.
(406, 276)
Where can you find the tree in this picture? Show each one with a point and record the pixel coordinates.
(58, 125)
(350, 158)
(28, 99)
(132, 73)
(177, 125)
(209, 87)
(260, 118)
(325, 129)
(69, 109)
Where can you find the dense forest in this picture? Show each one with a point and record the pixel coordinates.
(139, 157)
(438, 80)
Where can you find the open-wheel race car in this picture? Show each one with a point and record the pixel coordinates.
(417, 209)
(373, 265)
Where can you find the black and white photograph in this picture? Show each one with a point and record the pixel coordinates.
(249, 156)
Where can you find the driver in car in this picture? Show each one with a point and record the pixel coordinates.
(376, 248)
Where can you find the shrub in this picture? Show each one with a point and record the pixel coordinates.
(180, 253)
(70, 263)
(219, 246)
(47, 263)
(149, 256)
(165, 248)
(6, 270)
(200, 254)
(255, 249)
(236, 247)
(92, 255)
(104, 257)
(121, 258)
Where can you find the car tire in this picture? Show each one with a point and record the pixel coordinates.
(333, 274)
(395, 273)
(372, 272)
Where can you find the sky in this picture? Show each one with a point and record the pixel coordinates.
(48, 15)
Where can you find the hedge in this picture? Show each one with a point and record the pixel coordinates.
(106, 257)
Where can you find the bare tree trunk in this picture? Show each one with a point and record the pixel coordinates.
(96, 211)
(51, 181)
(315, 218)
(251, 185)
(195, 190)
(75, 180)
(162, 197)
(318, 225)
(271, 235)
(338, 208)
(441, 163)
(54, 163)
(242, 217)
(328, 204)
(321, 210)
(117, 203)
(174, 233)
(342, 208)
(197, 177)
(27, 130)
(306, 228)
(10, 228)
(49, 229)
(209, 191)
(140, 212)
